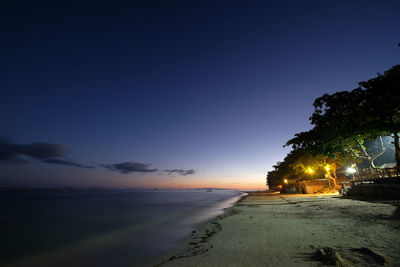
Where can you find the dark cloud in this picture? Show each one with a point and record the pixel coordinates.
(55, 154)
(67, 163)
(128, 167)
(45, 152)
(10, 152)
(181, 171)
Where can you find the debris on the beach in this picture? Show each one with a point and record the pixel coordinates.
(333, 229)
(329, 256)
(350, 257)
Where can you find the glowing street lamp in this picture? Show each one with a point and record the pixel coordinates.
(351, 170)
(327, 167)
(309, 170)
(285, 181)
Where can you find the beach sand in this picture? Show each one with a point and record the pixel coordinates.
(266, 229)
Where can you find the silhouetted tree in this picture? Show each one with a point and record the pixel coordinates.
(343, 120)
(382, 105)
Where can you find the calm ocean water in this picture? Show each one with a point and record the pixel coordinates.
(111, 228)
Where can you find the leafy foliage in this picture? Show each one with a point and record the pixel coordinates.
(343, 120)
(295, 167)
(342, 123)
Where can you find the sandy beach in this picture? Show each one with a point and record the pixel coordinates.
(265, 229)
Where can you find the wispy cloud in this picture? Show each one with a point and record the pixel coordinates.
(67, 163)
(10, 152)
(180, 171)
(44, 152)
(55, 154)
(129, 167)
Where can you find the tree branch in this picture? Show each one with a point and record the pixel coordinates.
(374, 157)
(362, 149)
(354, 153)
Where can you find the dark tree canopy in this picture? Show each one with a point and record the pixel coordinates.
(343, 120)
(347, 127)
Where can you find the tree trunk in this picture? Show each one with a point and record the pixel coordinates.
(334, 170)
(334, 183)
(397, 148)
(357, 171)
(367, 157)
(329, 176)
(334, 174)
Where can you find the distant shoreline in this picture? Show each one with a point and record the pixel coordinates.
(296, 230)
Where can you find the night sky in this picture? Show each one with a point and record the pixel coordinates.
(174, 94)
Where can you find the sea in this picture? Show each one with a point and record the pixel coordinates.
(90, 227)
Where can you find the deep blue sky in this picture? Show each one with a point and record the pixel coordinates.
(216, 87)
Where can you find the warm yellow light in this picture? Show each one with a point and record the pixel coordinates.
(327, 167)
(279, 186)
(310, 170)
(285, 181)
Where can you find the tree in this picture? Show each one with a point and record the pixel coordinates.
(342, 123)
(382, 105)
(344, 120)
(296, 167)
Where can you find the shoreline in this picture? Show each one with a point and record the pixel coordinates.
(125, 228)
(193, 244)
(295, 230)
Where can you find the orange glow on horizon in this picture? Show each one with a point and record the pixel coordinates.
(193, 184)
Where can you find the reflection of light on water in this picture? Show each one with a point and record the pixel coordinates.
(137, 226)
(213, 210)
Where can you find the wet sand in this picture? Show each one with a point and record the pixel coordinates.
(265, 229)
